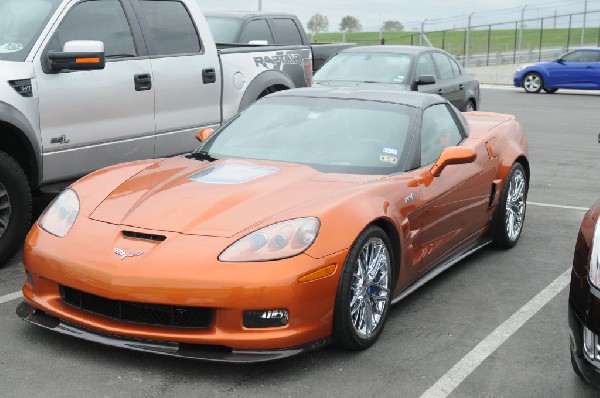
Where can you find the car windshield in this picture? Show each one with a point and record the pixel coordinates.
(366, 67)
(223, 30)
(21, 22)
(330, 135)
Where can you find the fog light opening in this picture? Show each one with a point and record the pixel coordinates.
(590, 344)
(265, 319)
(29, 278)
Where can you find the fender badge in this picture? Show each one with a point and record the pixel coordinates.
(410, 198)
(123, 254)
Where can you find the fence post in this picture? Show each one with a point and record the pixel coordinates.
(569, 32)
(465, 50)
(584, 20)
(487, 62)
(541, 37)
(343, 36)
(444, 39)
(468, 38)
(522, 26)
(515, 45)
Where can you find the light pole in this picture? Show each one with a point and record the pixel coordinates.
(584, 20)
(522, 26)
(259, 5)
(468, 39)
(422, 32)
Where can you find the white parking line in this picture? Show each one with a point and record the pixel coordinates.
(444, 386)
(557, 206)
(10, 297)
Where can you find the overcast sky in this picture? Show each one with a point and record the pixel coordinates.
(441, 14)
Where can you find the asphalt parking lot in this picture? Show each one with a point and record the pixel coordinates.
(458, 334)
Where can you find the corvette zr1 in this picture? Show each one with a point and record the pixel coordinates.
(297, 224)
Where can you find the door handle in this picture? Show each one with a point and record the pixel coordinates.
(143, 82)
(209, 76)
(441, 91)
(461, 86)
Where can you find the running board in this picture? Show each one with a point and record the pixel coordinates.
(442, 267)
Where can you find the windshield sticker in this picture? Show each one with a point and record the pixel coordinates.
(389, 151)
(10, 48)
(389, 159)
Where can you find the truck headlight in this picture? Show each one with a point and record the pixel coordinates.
(595, 257)
(277, 241)
(59, 216)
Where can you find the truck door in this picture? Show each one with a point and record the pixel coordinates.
(91, 119)
(187, 77)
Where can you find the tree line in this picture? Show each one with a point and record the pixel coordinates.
(319, 23)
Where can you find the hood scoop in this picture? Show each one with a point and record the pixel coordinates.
(232, 173)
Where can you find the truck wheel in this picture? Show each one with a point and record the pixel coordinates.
(15, 206)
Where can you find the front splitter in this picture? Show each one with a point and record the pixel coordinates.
(189, 351)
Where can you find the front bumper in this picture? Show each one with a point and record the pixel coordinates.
(189, 351)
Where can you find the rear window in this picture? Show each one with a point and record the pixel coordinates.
(257, 29)
(287, 31)
(224, 30)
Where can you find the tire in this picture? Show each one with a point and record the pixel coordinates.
(470, 107)
(533, 82)
(550, 90)
(15, 207)
(363, 296)
(575, 367)
(509, 217)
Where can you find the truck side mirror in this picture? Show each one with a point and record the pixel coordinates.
(78, 55)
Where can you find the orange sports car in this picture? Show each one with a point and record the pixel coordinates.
(297, 224)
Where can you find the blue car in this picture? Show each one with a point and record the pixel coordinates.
(578, 69)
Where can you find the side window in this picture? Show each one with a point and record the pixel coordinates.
(424, 66)
(438, 131)
(257, 29)
(581, 56)
(455, 67)
(287, 31)
(172, 29)
(444, 66)
(108, 25)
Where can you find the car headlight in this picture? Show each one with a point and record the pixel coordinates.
(59, 216)
(277, 241)
(595, 257)
(522, 67)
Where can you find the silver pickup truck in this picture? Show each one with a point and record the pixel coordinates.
(87, 84)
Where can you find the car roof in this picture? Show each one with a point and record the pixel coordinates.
(393, 49)
(410, 98)
(246, 14)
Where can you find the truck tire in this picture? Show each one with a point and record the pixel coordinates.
(15, 207)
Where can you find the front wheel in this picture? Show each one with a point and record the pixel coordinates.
(550, 90)
(364, 291)
(533, 82)
(510, 213)
(15, 206)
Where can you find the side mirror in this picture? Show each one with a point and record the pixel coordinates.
(203, 134)
(78, 55)
(452, 155)
(423, 80)
(560, 60)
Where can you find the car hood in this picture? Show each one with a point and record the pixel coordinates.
(363, 85)
(221, 198)
(16, 71)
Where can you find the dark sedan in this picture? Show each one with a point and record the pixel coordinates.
(578, 69)
(414, 68)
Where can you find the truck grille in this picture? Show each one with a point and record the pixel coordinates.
(127, 311)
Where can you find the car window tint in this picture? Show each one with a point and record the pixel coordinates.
(444, 66)
(109, 26)
(287, 31)
(439, 130)
(424, 66)
(455, 67)
(171, 27)
(257, 29)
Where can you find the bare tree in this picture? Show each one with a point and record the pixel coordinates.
(392, 26)
(350, 24)
(318, 23)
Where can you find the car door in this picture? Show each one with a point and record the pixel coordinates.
(450, 85)
(91, 119)
(455, 203)
(187, 76)
(576, 69)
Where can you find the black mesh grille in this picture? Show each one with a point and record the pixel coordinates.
(142, 236)
(150, 314)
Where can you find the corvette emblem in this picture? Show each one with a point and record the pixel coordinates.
(123, 254)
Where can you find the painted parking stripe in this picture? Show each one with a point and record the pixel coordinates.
(444, 386)
(10, 297)
(557, 206)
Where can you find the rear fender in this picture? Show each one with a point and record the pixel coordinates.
(260, 83)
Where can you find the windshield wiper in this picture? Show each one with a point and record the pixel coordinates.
(202, 155)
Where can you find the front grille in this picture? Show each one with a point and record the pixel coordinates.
(127, 311)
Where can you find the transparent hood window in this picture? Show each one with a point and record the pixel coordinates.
(330, 135)
(366, 67)
(21, 22)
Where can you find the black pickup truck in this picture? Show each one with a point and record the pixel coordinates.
(242, 27)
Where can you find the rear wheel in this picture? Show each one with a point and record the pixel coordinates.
(364, 291)
(533, 82)
(15, 206)
(470, 106)
(510, 213)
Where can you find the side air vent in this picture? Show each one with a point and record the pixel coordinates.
(23, 87)
(141, 236)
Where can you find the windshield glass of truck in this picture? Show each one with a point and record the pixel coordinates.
(223, 30)
(330, 135)
(21, 22)
(366, 67)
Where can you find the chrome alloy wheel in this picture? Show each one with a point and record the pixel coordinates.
(370, 287)
(515, 205)
(5, 209)
(532, 83)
